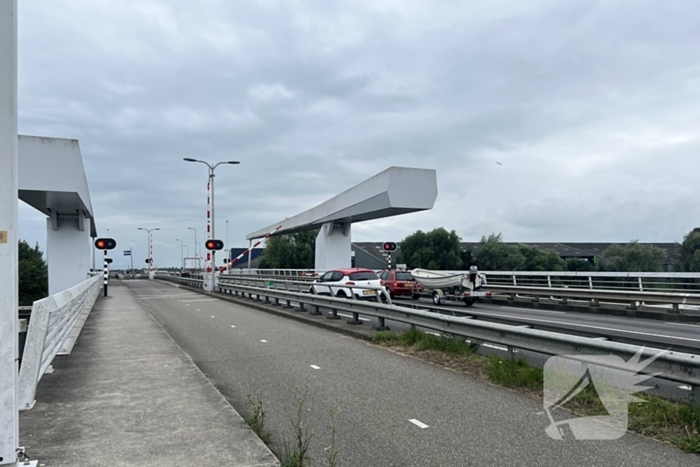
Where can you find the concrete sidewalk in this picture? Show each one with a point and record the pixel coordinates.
(129, 396)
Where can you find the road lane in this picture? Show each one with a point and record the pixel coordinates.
(378, 393)
(615, 328)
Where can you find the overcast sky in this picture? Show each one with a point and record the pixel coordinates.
(592, 108)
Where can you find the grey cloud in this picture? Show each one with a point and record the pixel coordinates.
(590, 106)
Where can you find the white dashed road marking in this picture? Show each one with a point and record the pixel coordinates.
(212, 316)
(687, 388)
(263, 340)
(315, 367)
(233, 326)
(418, 423)
(201, 300)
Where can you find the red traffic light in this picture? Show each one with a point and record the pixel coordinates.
(105, 244)
(389, 246)
(214, 245)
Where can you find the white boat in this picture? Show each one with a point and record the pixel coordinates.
(439, 279)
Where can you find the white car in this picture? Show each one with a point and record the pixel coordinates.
(335, 283)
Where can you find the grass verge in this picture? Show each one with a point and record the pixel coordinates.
(658, 418)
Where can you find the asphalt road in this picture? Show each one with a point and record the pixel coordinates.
(393, 410)
(570, 322)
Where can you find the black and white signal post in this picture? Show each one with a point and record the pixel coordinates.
(106, 244)
(389, 247)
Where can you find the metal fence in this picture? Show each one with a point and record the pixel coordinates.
(688, 282)
(54, 326)
(671, 365)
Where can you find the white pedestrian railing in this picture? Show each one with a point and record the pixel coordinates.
(54, 326)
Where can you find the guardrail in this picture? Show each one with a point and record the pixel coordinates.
(670, 365)
(597, 296)
(642, 281)
(55, 324)
(594, 297)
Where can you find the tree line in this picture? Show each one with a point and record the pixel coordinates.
(439, 249)
(33, 274)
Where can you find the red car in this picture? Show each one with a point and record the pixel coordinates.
(400, 283)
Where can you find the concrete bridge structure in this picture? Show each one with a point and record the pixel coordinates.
(392, 192)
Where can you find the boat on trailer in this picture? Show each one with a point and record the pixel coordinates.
(442, 285)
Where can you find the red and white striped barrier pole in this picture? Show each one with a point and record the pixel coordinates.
(209, 267)
(225, 268)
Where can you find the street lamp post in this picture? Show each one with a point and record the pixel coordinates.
(182, 257)
(195, 245)
(150, 250)
(228, 248)
(210, 272)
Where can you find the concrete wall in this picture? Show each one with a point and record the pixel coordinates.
(68, 251)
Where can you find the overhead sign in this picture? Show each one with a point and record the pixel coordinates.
(127, 252)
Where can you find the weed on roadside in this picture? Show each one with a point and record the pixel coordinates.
(331, 451)
(294, 452)
(257, 421)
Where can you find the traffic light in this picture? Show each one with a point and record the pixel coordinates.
(147, 261)
(389, 246)
(105, 244)
(214, 245)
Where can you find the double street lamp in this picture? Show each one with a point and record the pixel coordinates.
(211, 262)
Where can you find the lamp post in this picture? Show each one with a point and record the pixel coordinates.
(150, 250)
(228, 248)
(210, 272)
(187, 254)
(182, 257)
(195, 245)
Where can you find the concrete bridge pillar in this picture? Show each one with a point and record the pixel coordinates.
(68, 250)
(333, 248)
(9, 415)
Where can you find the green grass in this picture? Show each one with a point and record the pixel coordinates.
(422, 341)
(659, 418)
(514, 373)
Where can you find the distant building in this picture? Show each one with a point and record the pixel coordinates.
(243, 262)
